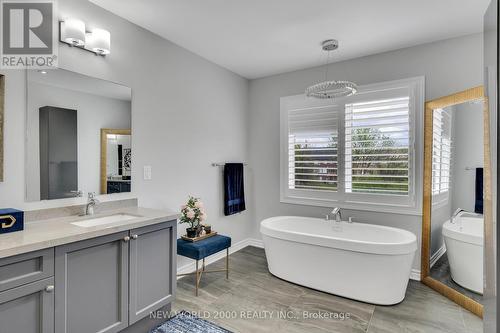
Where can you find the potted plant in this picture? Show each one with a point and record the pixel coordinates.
(193, 213)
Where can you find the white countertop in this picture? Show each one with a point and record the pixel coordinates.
(44, 234)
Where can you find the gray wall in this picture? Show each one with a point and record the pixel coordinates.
(439, 216)
(448, 66)
(186, 113)
(468, 151)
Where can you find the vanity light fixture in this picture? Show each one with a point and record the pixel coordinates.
(100, 41)
(73, 32)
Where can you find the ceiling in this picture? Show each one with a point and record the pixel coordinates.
(257, 38)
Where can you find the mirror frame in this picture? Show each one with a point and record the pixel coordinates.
(104, 148)
(442, 102)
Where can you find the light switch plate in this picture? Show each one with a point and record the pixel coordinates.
(147, 172)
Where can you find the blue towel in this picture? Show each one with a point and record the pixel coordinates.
(478, 208)
(234, 193)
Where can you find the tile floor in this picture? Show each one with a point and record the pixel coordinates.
(441, 272)
(252, 290)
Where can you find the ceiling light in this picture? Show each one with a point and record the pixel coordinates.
(331, 89)
(73, 32)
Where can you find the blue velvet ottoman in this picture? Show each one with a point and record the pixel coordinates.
(202, 249)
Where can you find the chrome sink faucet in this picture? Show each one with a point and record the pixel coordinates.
(91, 203)
(335, 213)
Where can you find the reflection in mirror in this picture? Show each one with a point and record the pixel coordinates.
(457, 198)
(116, 159)
(65, 114)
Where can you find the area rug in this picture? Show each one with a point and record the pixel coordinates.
(185, 322)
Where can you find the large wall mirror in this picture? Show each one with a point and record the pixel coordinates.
(454, 183)
(66, 114)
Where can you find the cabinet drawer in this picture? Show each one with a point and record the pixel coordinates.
(26, 268)
(28, 309)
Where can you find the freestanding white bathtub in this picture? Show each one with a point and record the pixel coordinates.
(364, 262)
(464, 241)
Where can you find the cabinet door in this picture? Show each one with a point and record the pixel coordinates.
(28, 309)
(92, 285)
(152, 268)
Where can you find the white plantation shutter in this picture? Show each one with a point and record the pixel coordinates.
(356, 152)
(377, 146)
(441, 151)
(313, 148)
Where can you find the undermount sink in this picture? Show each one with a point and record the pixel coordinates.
(94, 222)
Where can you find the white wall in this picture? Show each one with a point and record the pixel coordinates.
(186, 113)
(448, 66)
(93, 113)
(467, 152)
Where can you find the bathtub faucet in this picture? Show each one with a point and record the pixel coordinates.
(336, 213)
(454, 216)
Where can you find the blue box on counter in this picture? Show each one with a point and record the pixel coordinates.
(11, 220)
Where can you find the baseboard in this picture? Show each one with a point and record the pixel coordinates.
(213, 258)
(415, 274)
(437, 255)
(256, 242)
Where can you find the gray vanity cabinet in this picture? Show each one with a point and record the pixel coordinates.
(108, 283)
(103, 284)
(28, 309)
(27, 293)
(152, 269)
(91, 280)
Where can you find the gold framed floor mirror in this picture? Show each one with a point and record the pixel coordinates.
(457, 182)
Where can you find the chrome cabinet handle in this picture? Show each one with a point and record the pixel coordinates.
(49, 289)
(126, 238)
(135, 236)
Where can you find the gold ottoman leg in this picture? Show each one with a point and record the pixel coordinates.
(197, 278)
(227, 263)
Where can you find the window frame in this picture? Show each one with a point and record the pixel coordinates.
(409, 205)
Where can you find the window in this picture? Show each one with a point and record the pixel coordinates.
(313, 149)
(441, 155)
(377, 134)
(358, 152)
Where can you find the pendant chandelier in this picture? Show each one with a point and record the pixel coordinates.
(331, 89)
